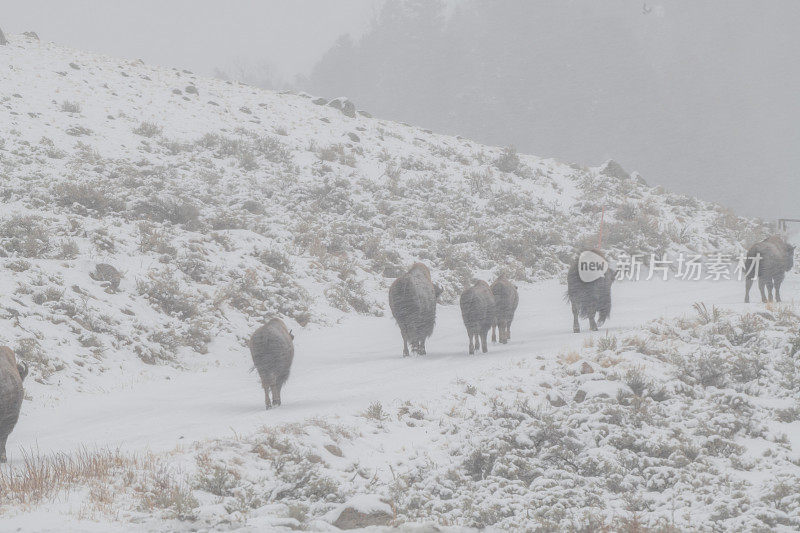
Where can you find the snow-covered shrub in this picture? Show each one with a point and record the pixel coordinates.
(91, 198)
(70, 107)
(164, 290)
(147, 129)
(26, 235)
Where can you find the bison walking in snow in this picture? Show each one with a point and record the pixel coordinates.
(11, 376)
(478, 312)
(773, 257)
(272, 348)
(589, 299)
(412, 299)
(506, 299)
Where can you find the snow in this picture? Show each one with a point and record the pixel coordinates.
(337, 370)
(233, 204)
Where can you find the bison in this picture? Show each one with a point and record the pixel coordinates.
(272, 348)
(770, 259)
(478, 312)
(589, 298)
(412, 299)
(11, 376)
(506, 300)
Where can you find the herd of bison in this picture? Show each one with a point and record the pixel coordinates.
(412, 299)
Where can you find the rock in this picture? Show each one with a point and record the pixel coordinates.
(639, 179)
(613, 169)
(586, 368)
(344, 105)
(108, 275)
(191, 89)
(364, 114)
(362, 511)
(349, 109)
(75, 66)
(353, 137)
(2, 38)
(580, 396)
(334, 450)
(31, 35)
(320, 101)
(177, 91)
(556, 400)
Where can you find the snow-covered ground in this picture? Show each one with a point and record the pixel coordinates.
(340, 370)
(222, 205)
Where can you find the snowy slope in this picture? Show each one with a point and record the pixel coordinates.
(223, 204)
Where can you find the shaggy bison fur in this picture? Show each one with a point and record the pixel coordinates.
(773, 257)
(506, 299)
(589, 299)
(412, 299)
(272, 348)
(11, 376)
(477, 310)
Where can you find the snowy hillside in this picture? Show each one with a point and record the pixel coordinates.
(222, 204)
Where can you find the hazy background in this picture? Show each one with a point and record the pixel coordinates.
(701, 97)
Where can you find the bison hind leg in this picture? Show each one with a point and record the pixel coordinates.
(267, 401)
(576, 325)
(276, 394)
(3, 440)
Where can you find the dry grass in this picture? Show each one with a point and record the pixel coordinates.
(569, 357)
(42, 477)
(110, 478)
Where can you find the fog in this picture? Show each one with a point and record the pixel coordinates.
(697, 96)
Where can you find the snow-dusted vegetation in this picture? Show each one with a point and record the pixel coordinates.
(220, 205)
(680, 425)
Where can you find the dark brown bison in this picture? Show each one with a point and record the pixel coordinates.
(770, 259)
(477, 310)
(506, 299)
(589, 299)
(11, 376)
(107, 274)
(272, 348)
(412, 299)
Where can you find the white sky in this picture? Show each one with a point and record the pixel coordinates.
(290, 35)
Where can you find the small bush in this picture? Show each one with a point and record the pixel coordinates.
(26, 235)
(70, 107)
(508, 160)
(147, 129)
(164, 291)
